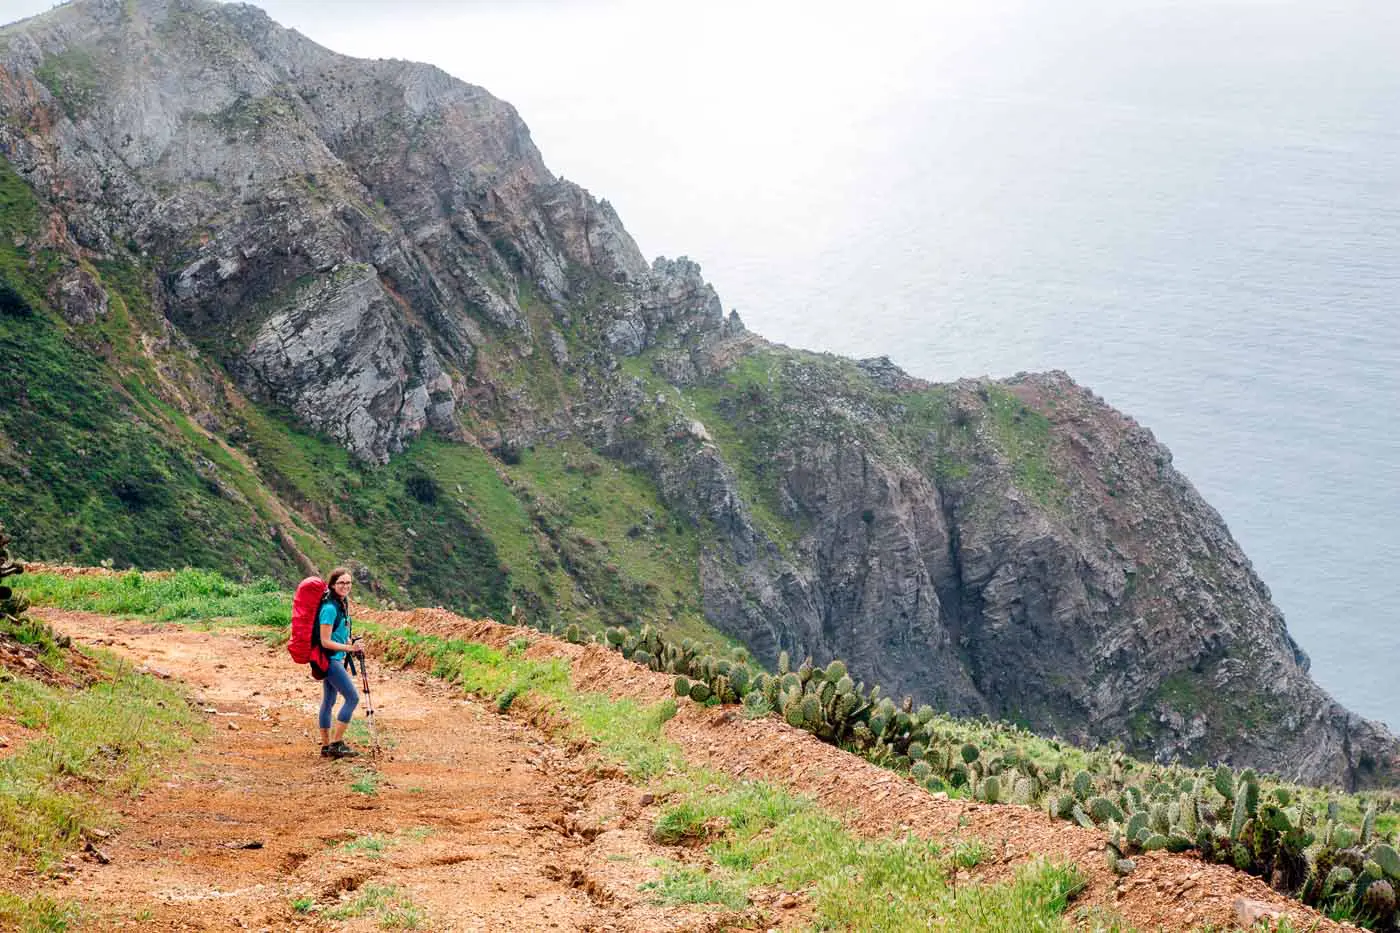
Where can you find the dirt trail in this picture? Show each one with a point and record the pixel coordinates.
(488, 825)
(481, 822)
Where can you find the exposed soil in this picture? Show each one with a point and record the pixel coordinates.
(493, 825)
(487, 825)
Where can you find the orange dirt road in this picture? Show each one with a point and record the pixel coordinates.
(475, 819)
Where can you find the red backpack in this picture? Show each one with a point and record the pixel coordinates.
(304, 645)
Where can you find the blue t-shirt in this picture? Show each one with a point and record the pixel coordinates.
(339, 622)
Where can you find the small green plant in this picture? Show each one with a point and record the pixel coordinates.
(303, 905)
(507, 697)
(370, 846)
(358, 733)
(690, 886)
(968, 853)
(679, 823)
(366, 781)
(391, 908)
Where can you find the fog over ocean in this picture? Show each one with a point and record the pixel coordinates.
(1192, 206)
(1195, 211)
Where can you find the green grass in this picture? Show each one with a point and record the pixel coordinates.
(92, 463)
(950, 443)
(37, 635)
(374, 845)
(681, 885)
(608, 531)
(87, 477)
(391, 908)
(753, 414)
(622, 731)
(187, 595)
(98, 743)
(358, 732)
(367, 781)
(20, 212)
(758, 835)
(468, 476)
(1023, 434)
(422, 537)
(371, 846)
(37, 914)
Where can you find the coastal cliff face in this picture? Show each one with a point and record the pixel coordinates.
(237, 220)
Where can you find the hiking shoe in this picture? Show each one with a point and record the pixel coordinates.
(326, 752)
(341, 750)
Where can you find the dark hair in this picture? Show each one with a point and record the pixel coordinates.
(331, 579)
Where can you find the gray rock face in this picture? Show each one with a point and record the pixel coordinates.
(379, 249)
(1103, 599)
(78, 296)
(257, 166)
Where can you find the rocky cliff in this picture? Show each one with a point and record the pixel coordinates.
(240, 229)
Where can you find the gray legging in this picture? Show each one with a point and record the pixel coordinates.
(337, 681)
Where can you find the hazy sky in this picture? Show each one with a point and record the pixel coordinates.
(731, 129)
(650, 102)
(693, 119)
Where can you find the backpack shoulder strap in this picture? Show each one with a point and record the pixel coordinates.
(316, 623)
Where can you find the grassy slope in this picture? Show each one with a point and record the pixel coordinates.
(88, 746)
(88, 469)
(97, 463)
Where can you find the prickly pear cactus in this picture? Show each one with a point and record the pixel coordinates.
(1103, 810)
(11, 603)
(1379, 899)
(1384, 855)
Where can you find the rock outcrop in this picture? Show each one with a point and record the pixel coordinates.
(379, 250)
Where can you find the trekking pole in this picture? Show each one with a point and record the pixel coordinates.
(369, 705)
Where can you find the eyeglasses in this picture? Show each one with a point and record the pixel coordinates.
(342, 583)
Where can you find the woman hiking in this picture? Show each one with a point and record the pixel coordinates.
(333, 620)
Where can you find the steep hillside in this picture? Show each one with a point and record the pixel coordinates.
(266, 308)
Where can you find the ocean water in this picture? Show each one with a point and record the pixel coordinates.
(1195, 211)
